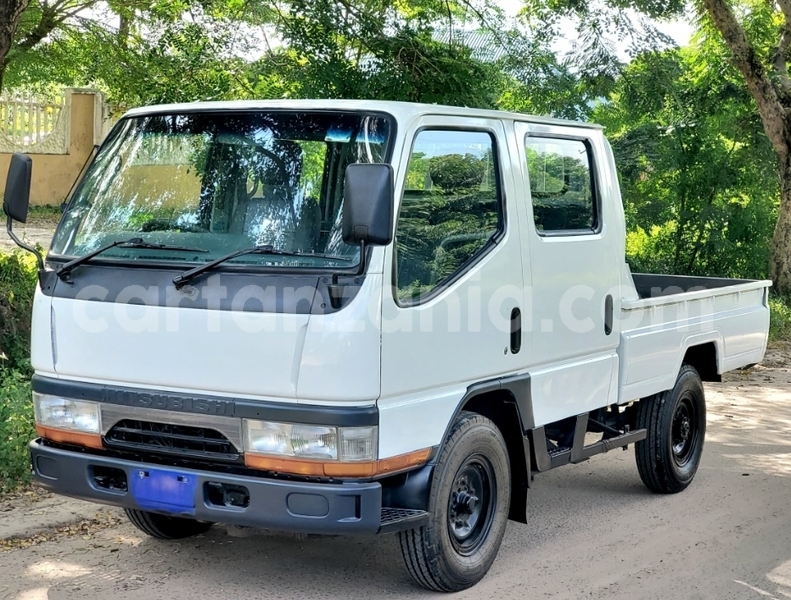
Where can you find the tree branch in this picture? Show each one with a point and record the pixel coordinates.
(780, 64)
(52, 17)
(770, 107)
(10, 15)
(785, 6)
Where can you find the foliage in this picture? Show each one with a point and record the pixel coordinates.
(780, 323)
(160, 54)
(399, 51)
(593, 29)
(415, 50)
(753, 37)
(696, 172)
(17, 285)
(17, 428)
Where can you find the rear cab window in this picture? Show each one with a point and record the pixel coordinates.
(562, 186)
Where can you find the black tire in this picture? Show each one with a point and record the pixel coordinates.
(455, 550)
(164, 527)
(676, 422)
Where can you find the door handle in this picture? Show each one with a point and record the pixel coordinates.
(608, 315)
(516, 330)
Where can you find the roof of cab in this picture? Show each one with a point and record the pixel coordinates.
(402, 111)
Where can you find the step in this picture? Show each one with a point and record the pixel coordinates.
(398, 519)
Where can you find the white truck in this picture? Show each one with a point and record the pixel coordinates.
(357, 317)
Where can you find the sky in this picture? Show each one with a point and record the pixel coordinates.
(680, 30)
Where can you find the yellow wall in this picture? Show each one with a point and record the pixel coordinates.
(159, 186)
(53, 174)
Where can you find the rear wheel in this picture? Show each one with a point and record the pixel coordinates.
(470, 496)
(676, 422)
(164, 527)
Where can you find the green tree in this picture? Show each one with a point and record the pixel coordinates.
(757, 35)
(380, 49)
(11, 12)
(759, 40)
(696, 173)
(138, 52)
(24, 24)
(171, 50)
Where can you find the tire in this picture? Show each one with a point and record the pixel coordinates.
(164, 527)
(469, 502)
(676, 422)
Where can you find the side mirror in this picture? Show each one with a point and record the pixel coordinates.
(17, 187)
(17, 200)
(368, 201)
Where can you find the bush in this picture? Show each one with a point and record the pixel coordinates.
(17, 285)
(780, 320)
(17, 428)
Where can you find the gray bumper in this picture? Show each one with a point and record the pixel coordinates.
(322, 508)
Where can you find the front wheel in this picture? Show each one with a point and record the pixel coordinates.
(676, 422)
(470, 497)
(164, 527)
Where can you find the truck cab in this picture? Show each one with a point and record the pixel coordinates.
(360, 317)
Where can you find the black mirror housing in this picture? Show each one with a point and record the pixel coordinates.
(368, 204)
(17, 187)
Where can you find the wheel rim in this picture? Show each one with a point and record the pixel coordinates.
(470, 507)
(685, 430)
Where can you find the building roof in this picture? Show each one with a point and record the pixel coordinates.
(483, 44)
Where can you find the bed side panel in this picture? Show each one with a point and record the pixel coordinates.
(654, 339)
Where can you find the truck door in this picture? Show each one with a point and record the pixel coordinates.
(573, 233)
(455, 280)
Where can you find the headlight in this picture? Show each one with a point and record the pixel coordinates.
(65, 413)
(312, 442)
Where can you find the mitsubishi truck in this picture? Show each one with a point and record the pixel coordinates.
(360, 317)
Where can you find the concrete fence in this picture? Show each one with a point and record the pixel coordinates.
(58, 135)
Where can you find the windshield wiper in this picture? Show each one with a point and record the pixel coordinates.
(131, 243)
(181, 280)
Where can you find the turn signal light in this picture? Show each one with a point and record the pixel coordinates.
(338, 469)
(64, 436)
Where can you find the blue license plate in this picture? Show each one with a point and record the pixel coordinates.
(163, 490)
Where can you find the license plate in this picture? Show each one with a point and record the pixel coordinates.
(163, 490)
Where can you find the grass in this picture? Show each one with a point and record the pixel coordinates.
(44, 210)
(44, 216)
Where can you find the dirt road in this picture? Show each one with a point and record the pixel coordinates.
(37, 231)
(595, 532)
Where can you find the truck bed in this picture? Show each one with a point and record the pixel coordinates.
(651, 285)
(665, 315)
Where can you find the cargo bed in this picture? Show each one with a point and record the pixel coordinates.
(667, 314)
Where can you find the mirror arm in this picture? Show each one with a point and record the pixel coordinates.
(21, 244)
(361, 267)
(335, 289)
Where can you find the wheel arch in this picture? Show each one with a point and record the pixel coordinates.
(705, 358)
(503, 402)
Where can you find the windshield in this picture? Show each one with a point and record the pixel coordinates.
(221, 182)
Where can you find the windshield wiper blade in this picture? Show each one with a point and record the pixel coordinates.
(181, 280)
(131, 243)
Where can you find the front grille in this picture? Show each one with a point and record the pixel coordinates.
(163, 438)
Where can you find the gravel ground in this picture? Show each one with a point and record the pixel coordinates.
(595, 532)
(38, 230)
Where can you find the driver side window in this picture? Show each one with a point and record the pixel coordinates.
(450, 212)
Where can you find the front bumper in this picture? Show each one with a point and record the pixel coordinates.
(321, 508)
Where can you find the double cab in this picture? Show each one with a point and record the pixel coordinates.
(360, 317)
